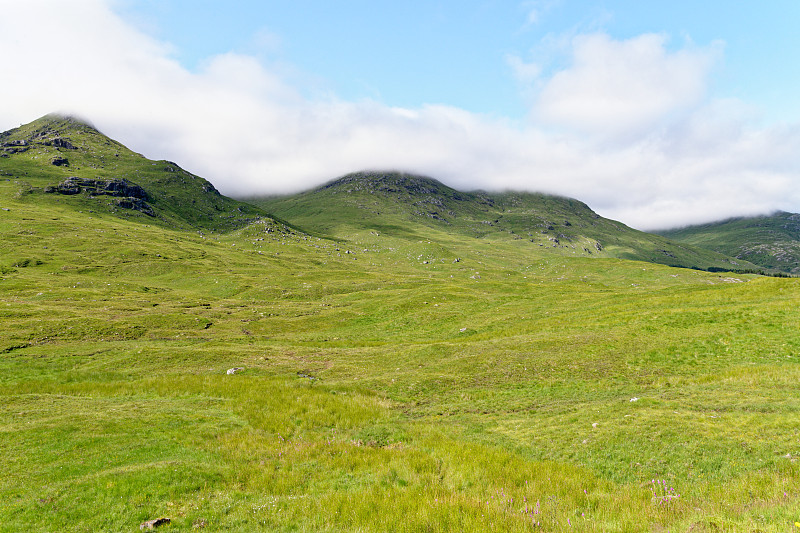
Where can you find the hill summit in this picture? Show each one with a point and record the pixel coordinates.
(414, 207)
(393, 182)
(65, 159)
(421, 196)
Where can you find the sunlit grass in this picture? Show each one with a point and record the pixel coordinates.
(380, 392)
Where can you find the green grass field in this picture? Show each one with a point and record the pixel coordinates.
(386, 386)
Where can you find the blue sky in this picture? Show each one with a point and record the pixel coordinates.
(656, 114)
(456, 52)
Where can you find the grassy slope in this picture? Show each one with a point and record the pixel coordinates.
(386, 387)
(769, 241)
(178, 198)
(412, 206)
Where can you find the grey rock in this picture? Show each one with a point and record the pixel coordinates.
(58, 142)
(111, 187)
(136, 204)
(156, 522)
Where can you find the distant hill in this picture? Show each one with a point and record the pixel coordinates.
(411, 206)
(64, 159)
(771, 241)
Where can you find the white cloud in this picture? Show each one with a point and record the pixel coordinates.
(623, 88)
(536, 9)
(524, 72)
(627, 126)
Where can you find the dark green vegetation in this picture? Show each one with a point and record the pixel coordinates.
(386, 386)
(63, 160)
(414, 207)
(772, 242)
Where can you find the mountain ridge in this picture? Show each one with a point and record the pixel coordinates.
(454, 374)
(65, 159)
(770, 241)
(408, 204)
(61, 158)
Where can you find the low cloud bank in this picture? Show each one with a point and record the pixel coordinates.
(626, 126)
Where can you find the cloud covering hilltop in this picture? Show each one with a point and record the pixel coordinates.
(627, 126)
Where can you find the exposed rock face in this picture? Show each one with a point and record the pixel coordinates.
(42, 139)
(137, 204)
(50, 133)
(112, 187)
(130, 195)
(14, 147)
(58, 142)
(122, 187)
(210, 189)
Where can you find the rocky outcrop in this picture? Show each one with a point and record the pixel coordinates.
(58, 142)
(208, 188)
(154, 523)
(129, 195)
(136, 204)
(98, 187)
(14, 147)
(22, 145)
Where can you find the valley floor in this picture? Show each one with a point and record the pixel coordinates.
(385, 385)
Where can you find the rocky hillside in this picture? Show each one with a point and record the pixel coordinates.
(67, 160)
(408, 205)
(770, 241)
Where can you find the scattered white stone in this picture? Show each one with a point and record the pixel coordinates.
(234, 370)
(634, 399)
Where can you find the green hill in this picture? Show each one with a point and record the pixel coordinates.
(771, 241)
(415, 207)
(432, 375)
(61, 159)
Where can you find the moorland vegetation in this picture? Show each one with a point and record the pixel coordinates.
(400, 371)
